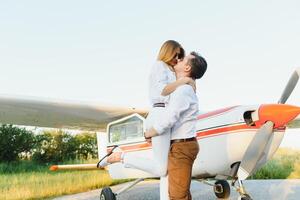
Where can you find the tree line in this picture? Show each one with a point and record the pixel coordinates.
(46, 147)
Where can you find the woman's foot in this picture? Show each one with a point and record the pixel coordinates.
(115, 157)
(112, 158)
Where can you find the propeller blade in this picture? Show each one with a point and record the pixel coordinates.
(254, 150)
(290, 86)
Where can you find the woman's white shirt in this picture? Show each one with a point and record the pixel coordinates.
(160, 76)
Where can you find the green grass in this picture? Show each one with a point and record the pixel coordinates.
(284, 165)
(27, 180)
(31, 181)
(37, 185)
(22, 167)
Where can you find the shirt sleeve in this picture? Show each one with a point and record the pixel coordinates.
(179, 103)
(159, 77)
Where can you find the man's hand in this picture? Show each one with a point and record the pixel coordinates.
(150, 133)
(149, 140)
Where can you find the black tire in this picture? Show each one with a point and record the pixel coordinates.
(246, 197)
(107, 194)
(222, 189)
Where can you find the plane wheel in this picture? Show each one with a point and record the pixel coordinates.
(246, 197)
(107, 194)
(222, 189)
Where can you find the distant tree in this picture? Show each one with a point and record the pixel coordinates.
(55, 146)
(14, 142)
(87, 145)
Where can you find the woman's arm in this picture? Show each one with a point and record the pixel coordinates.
(171, 87)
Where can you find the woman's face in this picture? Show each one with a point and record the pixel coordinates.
(179, 55)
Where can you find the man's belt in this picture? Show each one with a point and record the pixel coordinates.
(159, 105)
(183, 140)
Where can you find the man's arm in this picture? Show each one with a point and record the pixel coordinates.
(179, 103)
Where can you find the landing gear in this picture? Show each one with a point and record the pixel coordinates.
(235, 179)
(107, 194)
(222, 189)
(241, 190)
(245, 197)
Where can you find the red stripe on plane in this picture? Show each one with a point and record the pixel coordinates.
(216, 112)
(145, 145)
(223, 130)
(133, 147)
(200, 134)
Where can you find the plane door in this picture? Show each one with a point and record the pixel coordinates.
(128, 134)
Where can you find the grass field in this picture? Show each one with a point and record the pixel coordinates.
(31, 181)
(26, 180)
(37, 185)
(284, 165)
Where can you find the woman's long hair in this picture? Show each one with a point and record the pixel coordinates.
(168, 51)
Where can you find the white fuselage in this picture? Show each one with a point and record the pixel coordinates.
(223, 137)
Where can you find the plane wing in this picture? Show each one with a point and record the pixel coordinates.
(54, 114)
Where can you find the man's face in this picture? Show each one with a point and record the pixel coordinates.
(183, 65)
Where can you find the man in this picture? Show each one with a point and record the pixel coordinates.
(181, 117)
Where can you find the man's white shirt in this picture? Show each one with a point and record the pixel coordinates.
(181, 114)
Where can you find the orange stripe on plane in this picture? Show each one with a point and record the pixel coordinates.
(145, 145)
(200, 134)
(213, 132)
(224, 130)
(134, 147)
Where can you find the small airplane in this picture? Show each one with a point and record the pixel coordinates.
(234, 142)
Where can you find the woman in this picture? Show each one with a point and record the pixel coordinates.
(162, 82)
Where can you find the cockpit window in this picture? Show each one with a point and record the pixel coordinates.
(126, 130)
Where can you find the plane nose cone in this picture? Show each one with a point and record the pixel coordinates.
(279, 114)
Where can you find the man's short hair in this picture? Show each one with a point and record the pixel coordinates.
(198, 66)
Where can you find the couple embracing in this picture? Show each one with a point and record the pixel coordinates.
(171, 122)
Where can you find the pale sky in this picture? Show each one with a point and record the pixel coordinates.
(102, 51)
